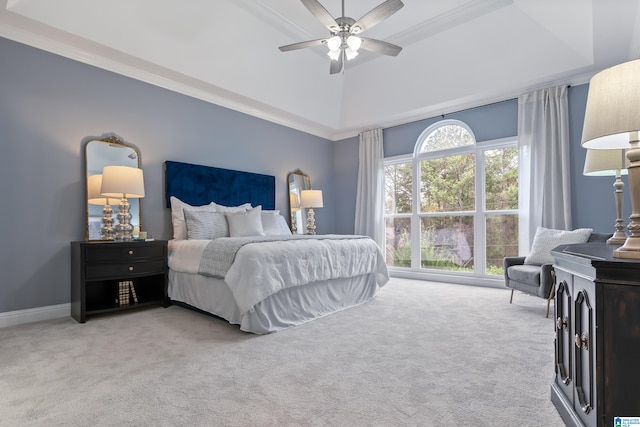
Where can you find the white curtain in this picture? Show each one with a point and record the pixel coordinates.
(370, 195)
(543, 134)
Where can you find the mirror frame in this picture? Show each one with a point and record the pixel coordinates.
(111, 140)
(298, 216)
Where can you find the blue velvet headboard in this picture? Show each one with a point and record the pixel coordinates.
(199, 185)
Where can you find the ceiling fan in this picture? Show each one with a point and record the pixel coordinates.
(344, 41)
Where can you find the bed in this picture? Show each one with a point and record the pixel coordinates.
(232, 254)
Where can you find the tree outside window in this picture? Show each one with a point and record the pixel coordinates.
(465, 216)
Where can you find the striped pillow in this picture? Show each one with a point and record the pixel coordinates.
(204, 225)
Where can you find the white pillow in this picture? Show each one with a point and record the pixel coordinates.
(232, 209)
(243, 224)
(547, 239)
(203, 225)
(274, 225)
(177, 216)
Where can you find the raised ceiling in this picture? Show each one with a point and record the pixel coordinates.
(457, 53)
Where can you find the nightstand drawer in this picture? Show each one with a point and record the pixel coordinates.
(124, 269)
(122, 252)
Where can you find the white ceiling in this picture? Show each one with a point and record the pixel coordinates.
(457, 53)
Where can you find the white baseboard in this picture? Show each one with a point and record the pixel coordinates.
(19, 317)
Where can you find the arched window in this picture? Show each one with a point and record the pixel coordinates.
(452, 207)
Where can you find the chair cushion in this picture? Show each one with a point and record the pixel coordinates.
(547, 239)
(525, 273)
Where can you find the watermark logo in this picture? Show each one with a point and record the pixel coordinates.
(626, 421)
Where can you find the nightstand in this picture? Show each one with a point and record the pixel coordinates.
(114, 276)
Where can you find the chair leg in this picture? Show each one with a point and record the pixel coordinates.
(548, 304)
(511, 299)
(551, 295)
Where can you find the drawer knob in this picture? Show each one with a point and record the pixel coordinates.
(130, 268)
(562, 323)
(582, 341)
(130, 252)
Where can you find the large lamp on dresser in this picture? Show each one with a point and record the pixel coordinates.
(610, 163)
(124, 182)
(612, 121)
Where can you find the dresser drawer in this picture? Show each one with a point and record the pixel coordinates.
(122, 252)
(123, 270)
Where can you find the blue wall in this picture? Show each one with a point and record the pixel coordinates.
(592, 197)
(49, 105)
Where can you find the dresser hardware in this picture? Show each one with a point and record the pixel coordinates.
(582, 340)
(562, 323)
(131, 269)
(130, 252)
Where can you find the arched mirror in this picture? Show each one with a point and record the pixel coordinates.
(298, 181)
(108, 151)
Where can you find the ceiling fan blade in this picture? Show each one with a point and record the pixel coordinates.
(336, 66)
(302, 45)
(376, 15)
(321, 14)
(378, 46)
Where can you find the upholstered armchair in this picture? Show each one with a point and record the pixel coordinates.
(537, 278)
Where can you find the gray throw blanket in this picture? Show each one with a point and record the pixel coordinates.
(220, 253)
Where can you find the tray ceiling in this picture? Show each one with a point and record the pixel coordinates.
(457, 53)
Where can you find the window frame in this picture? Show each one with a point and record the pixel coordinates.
(479, 214)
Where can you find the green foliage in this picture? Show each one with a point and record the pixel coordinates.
(447, 184)
(398, 188)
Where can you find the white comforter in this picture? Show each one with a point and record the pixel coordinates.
(262, 269)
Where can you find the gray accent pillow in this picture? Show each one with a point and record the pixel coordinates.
(205, 225)
(244, 224)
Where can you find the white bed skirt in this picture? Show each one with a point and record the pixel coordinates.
(288, 307)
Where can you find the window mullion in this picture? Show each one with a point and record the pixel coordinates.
(415, 217)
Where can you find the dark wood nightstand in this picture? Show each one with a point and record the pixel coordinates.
(113, 276)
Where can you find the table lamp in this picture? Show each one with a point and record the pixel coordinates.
(124, 182)
(610, 163)
(311, 199)
(612, 121)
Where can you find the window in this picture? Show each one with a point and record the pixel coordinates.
(452, 207)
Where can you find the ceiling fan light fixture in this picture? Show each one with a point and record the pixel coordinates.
(350, 53)
(344, 41)
(334, 54)
(354, 42)
(334, 43)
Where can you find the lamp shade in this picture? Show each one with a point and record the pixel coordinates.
(122, 181)
(94, 185)
(613, 107)
(311, 199)
(605, 163)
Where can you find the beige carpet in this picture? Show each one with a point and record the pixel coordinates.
(420, 354)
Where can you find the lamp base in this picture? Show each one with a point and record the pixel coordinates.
(124, 229)
(618, 238)
(630, 249)
(311, 222)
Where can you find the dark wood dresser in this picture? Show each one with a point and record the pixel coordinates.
(597, 342)
(113, 276)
